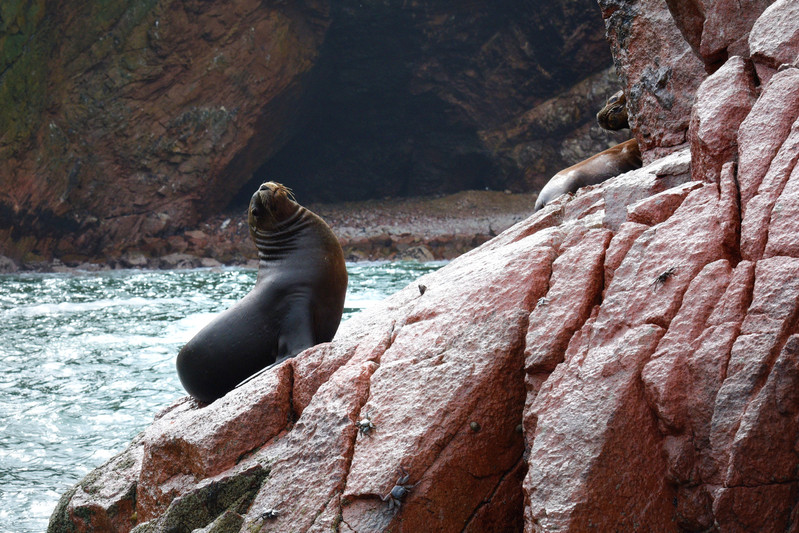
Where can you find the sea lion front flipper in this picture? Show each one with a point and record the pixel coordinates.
(296, 332)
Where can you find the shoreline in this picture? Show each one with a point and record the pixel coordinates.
(392, 229)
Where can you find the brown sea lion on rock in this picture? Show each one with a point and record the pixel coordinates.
(296, 303)
(599, 167)
(596, 169)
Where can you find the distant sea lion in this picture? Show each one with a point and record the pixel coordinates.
(296, 303)
(614, 115)
(596, 169)
(599, 167)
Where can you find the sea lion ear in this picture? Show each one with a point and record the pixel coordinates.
(617, 97)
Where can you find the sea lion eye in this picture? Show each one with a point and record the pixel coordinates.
(256, 211)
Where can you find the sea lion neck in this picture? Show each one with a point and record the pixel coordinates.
(283, 239)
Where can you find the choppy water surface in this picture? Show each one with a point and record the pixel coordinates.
(88, 359)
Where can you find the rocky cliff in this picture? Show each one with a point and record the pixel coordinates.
(124, 124)
(626, 359)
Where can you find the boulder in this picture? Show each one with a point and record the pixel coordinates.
(774, 39)
(764, 130)
(660, 73)
(726, 29)
(718, 30)
(722, 102)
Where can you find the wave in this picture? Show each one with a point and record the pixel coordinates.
(62, 308)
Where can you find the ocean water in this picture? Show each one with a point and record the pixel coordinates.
(88, 359)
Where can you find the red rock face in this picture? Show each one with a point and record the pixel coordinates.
(155, 115)
(626, 359)
(659, 71)
(726, 28)
(774, 39)
(124, 125)
(723, 101)
(720, 29)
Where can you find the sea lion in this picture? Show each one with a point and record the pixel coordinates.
(596, 169)
(602, 166)
(296, 303)
(614, 115)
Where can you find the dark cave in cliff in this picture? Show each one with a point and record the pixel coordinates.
(406, 91)
(372, 133)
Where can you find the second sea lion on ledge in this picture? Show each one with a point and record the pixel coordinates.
(596, 169)
(616, 160)
(296, 303)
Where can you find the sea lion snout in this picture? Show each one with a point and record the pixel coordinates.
(256, 205)
(259, 209)
(260, 202)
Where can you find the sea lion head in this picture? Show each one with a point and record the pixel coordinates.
(614, 115)
(271, 205)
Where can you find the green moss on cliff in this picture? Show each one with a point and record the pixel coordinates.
(22, 69)
(42, 45)
(18, 20)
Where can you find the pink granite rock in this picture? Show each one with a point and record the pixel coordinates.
(726, 28)
(659, 207)
(574, 287)
(764, 131)
(617, 430)
(722, 103)
(754, 414)
(105, 501)
(309, 466)
(624, 238)
(761, 207)
(783, 239)
(457, 438)
(717, 30)
(770, 319)
(685, 373)
(601, 370)
(659, 71)
(774, 39)
(191, 442)
(689, 16)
